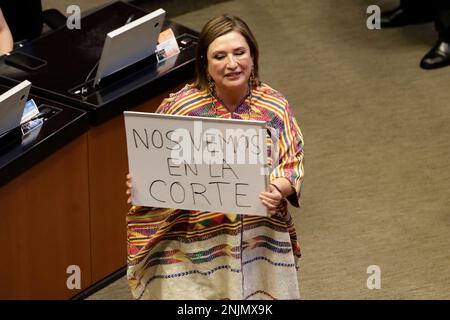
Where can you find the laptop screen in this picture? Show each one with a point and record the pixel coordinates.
(12, 104)
(129, 44)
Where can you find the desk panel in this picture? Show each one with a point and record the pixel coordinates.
(44, 226)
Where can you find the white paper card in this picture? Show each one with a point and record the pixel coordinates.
(167, 45)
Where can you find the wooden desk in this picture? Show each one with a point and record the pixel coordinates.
(68, 209)
(44, 226)
(87, 224)
(44, 216)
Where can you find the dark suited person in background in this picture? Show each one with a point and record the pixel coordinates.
(421, 11)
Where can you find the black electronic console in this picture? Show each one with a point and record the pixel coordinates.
(89, 86)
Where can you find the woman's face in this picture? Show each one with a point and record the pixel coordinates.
(229, 61)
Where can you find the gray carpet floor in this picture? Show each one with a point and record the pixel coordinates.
(377, 145)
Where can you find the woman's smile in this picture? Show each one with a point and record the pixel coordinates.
(233, 75)
(230, 63)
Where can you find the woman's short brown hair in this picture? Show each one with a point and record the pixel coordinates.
(213, 29)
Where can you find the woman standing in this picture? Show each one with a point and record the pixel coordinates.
(182, 254)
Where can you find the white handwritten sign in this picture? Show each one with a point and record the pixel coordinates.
(197, 163)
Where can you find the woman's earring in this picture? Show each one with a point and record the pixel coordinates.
(211, 84)
(252, 79)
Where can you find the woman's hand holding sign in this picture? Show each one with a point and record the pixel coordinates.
(129, 186)
(277, 191)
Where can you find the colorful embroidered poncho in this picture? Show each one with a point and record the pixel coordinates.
(181, 254)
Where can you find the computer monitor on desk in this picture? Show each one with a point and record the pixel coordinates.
(12, 104)
(129, 44)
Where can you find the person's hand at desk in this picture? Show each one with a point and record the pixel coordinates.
(6, 40)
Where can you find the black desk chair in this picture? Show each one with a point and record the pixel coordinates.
(26, 19)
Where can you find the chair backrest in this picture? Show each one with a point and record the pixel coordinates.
(24, 18)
